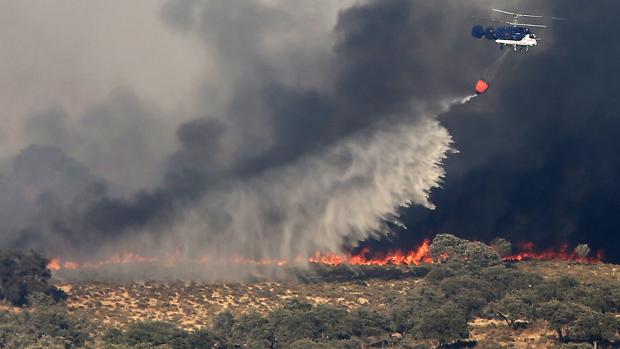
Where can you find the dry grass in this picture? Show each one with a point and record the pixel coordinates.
(194, 305)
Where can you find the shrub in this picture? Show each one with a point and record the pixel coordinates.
(24, 274)
(367, 323)
(582, 250)
(35, 328)
(512, 308)
(603, 297)
(559, 315)
(353, 343)
(298, 320)
(445, 324)
(591, 326)
(463, 255)
(156, 333)
(223, 324)
(253, 331)
(470, 293)
(502, 247)
(406, 316)
(305, 344)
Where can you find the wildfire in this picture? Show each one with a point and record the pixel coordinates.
(417, 256)
(528, 252)
(117, 259)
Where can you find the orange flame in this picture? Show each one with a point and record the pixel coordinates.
(528, 252)
(54, 264)
(417, 256)
(117, 259)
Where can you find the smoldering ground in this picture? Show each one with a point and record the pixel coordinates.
(309, 132)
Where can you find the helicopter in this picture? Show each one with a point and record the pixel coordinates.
(518, 35)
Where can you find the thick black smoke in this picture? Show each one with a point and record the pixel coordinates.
(538, 154)
(307, 139)
(295, 162)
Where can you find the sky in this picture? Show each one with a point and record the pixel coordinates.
(273, 129)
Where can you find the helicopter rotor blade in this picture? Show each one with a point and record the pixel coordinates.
(533, 25)
(517, 15)
(506, 12)
(530, 16)
(493, 20)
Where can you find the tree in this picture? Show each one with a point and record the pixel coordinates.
(202, 339)
(24, 274)
(603, 296)
(594, 327)
(157, 333)
(368, 323)
(582, 250)
(563, 289)
(223, 324)
(406, 315)
(42, 327)
(47, 342)
(511, 308)
(316, 323)
(463, 255)
(559, 315)
(253, 331)
(505, 279)
(469, 292)
(502, 247)
(445, 324)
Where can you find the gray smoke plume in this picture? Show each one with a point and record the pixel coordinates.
(309, 131)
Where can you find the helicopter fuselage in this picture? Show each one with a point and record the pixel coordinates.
(516, 37)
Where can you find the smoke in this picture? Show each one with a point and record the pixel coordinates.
(537, 160)
(310, 130)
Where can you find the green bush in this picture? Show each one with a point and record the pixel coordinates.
(591, 326)
(42, 325)
(502, 247)
(353, 343)
(252, 330)
(306, 344)
(463, 255)
(405, 316)
(298, 320)
(156, 334)
(470, 293)
(512, 308)
(445, 324)
(368, 323)
(223, 324)
(25, 274)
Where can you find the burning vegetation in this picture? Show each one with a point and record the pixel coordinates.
(364, 257)
(462, 294)
(581, 253)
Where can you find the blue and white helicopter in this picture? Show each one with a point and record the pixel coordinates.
(518, 35)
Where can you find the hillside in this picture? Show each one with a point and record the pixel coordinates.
(192, 305)
(467, 297)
